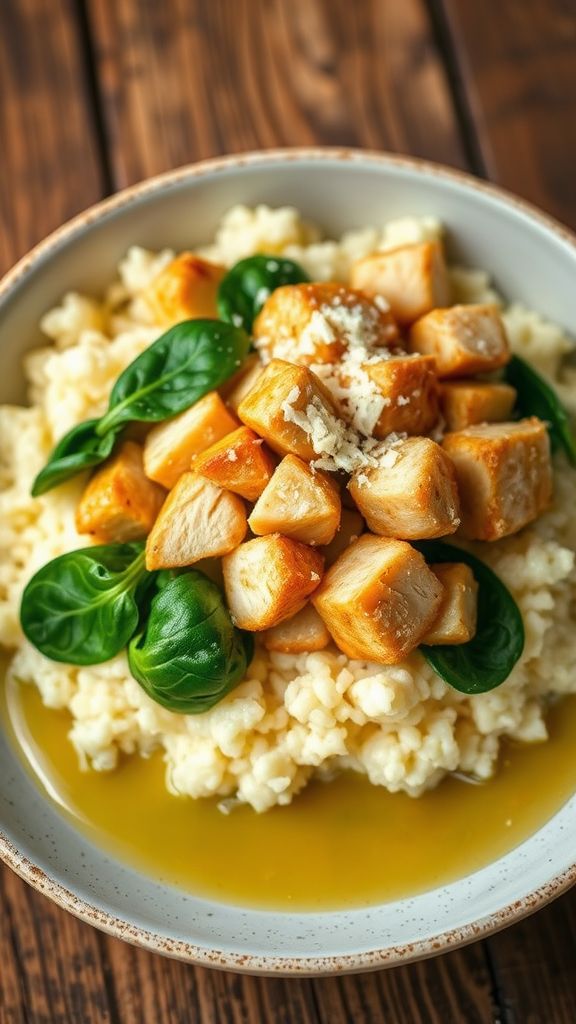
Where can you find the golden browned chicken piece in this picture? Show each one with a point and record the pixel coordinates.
(504, 475)
(303, 633)
(185, 290)
(120, 503)
(315, 323)
(171, 445)
(298, 502)
(456, 621)
(237, 387)
(269, 579)
(351, 527)
(464, 340)
(379, 599)
(466, 402)
(240, 462)
(414, 496)
(280, 399)
(412, 278)
(198, 520)
(409, 386)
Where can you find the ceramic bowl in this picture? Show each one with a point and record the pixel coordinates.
(531, 258)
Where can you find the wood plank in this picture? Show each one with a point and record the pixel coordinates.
(185, 80)
(517, 66)
(50, 162)
(535, 965)
(454, 987)
(50, 969)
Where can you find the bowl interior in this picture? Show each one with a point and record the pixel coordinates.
(529, 261)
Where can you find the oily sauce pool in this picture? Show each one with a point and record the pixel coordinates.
(339, 844)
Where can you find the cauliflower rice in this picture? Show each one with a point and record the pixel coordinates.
(294, 716)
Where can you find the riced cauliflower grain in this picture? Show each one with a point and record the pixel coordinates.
(295, 715)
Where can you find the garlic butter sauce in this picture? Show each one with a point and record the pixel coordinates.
(339, 844)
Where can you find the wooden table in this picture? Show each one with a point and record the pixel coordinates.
(96, 94)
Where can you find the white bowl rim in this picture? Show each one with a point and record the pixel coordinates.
(114, 925)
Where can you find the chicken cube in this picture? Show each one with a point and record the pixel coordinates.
(504, 475)
(351, 527)
(298, 502)
(466, 402)
(278, 407)
(237, 387)
(456, 620)
(463, 339)
(240, 462)
(198, 520)
(119, 503)
(413, 496)
(171, 445)
(409, 387)
(269, 579)
(379, 599)
(185, 290)
(315, 323)
(412, 278)
(303, 633)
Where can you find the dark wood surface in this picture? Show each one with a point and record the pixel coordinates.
(96, 94)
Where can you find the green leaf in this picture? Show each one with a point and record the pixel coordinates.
(192, 358)
(83, 607)
(80, 449)
(537, 398)
(247, 285)
(487, 660)
(189, 655)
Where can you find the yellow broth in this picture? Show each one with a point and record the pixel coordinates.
(339, 844)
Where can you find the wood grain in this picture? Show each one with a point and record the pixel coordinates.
(185, 79)
(517, 66)
(50, 167)
(181, 80)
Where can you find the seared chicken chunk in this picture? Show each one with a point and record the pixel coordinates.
(351, 527)
(456, 621)
(298, 503)
(198, 520)
(304, 632)
(412, 278)
(269, 579)
(282, 397)
(185, 290)
(409, 387)
(120, 503)
(315, 323)
(379, 599)
(171, 445)
(414, 496)
(463, 339)
(240, 462)
(504, 476)
(466, 402)
(237, 387)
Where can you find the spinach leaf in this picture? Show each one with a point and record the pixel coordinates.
(82, 608)
(188, 655)
(81, 448)
(537, 398)
(488, 659)
(189, 360)
(245, 288)
(192, 358)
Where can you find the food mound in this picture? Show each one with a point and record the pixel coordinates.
(285, 506)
